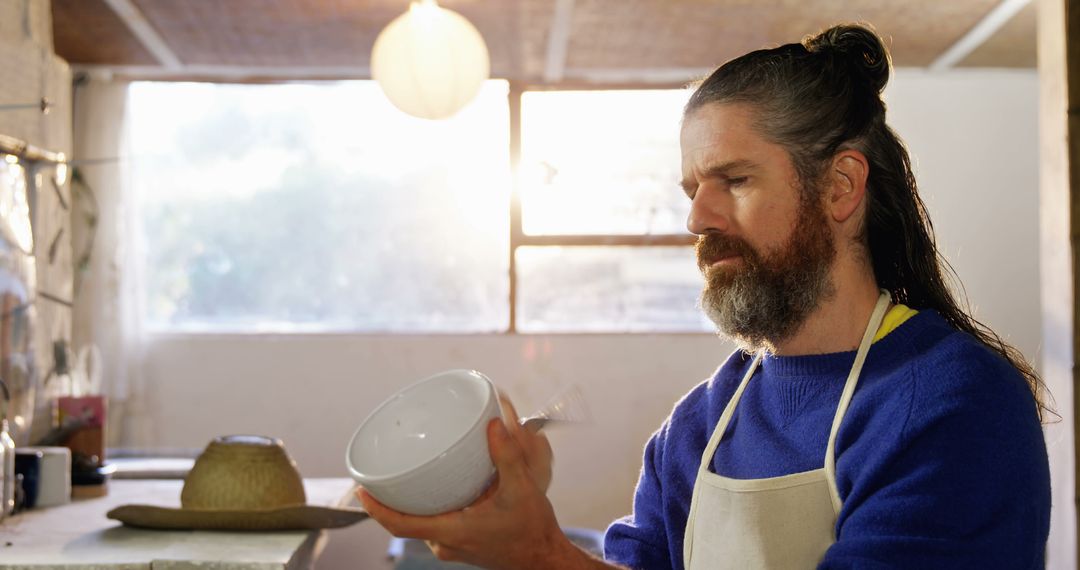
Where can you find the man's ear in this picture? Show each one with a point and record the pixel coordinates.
(847, 184)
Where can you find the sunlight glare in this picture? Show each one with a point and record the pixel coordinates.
(601, 162)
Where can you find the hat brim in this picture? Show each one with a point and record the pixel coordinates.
(300, 517)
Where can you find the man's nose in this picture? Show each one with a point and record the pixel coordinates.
(708, 213)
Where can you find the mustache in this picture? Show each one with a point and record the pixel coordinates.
(714, 247)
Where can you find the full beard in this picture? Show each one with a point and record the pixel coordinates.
(765, 301)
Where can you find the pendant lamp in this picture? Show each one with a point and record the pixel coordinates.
(430, 61)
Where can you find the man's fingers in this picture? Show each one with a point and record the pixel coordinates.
(505, 451)
(403, 525)
(533, 448)
(509, 411)
(443, 552)
(390, 519)
(513, 422)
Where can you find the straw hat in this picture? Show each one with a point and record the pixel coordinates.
(240, 482)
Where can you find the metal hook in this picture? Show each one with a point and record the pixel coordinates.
(44, 105)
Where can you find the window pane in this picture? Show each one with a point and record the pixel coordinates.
(320, 207)
(618, 289)
(602, 162)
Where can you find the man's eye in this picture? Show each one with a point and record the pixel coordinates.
(737, 181)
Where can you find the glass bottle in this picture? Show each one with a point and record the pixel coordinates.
(7, 471)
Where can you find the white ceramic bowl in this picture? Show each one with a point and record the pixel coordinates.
(424, 451)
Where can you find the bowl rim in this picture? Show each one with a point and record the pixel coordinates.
(365, 478)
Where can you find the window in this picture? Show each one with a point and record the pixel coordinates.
(602, 162)
(602, 244)
(605, 288)
(320, 207)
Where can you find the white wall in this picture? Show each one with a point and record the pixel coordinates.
(313, 392)
(974, 139)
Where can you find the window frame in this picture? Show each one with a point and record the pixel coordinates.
(518, 238)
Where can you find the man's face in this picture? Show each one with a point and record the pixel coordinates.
(765, 245)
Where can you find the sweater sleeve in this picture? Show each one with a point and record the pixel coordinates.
(965, 485)
(639, 541)
(652, 537)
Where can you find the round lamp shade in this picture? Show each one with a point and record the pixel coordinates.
(430, 61)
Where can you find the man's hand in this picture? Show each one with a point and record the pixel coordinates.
(512, 525)
(535, 447)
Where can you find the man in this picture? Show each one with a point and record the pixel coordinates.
(868, 422)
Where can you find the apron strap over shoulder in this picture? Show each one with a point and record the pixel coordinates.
(849, 390)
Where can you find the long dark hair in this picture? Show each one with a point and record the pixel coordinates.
(822, 96)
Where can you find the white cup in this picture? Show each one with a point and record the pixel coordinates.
(424, 451)
(54, 481)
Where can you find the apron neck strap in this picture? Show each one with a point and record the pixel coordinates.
(845, 399)
(849, 389)
(725, 417)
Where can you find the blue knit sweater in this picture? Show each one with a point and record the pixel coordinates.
(940, 459)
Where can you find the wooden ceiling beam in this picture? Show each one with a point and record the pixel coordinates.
(629, 76)
(571, 78)
(145, 32)
(977, 36)
(227, 72)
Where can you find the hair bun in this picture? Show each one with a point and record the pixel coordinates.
(860, 48)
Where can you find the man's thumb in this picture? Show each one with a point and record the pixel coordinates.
(506, 454)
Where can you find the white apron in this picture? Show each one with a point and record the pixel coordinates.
(775, 523)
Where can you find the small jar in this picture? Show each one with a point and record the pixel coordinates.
(7, 471)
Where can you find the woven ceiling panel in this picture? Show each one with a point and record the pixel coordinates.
(89, 32)
(501, 23)
(301, 33)
(1013, 46)
(702, 34)
(271, 32)
(534, 19)
(626, 38)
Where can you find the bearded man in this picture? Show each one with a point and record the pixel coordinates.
(867, 422)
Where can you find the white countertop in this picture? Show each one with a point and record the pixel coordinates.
(79, 536)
